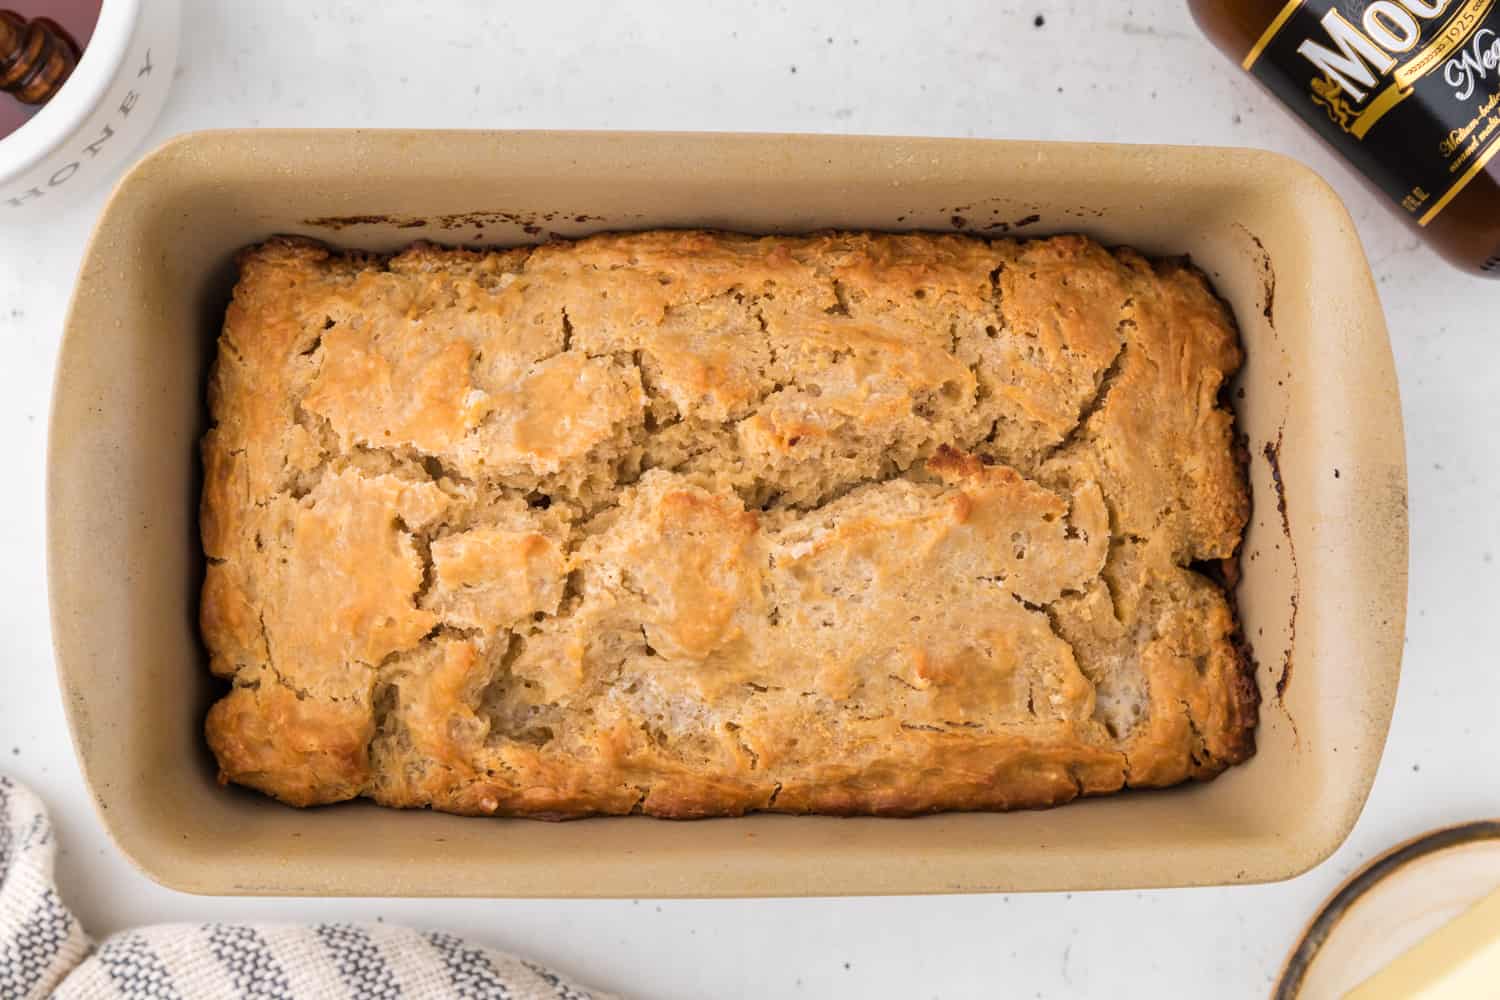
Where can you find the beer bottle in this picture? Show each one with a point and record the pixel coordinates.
(1407, 90)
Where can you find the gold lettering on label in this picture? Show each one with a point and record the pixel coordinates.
(1474, 168)
(1415, 200)
(1352, 63)
(1444, 43)
(1455, 139)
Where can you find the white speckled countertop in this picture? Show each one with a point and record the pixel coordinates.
(1047, 70)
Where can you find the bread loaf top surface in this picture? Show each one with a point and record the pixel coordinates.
(691, 523)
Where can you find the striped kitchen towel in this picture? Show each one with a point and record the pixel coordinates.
(45, 953)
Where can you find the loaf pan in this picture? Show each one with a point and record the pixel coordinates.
(1324, 564)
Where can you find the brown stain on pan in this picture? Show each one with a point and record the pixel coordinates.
(530, 222)
(1268, 278)
(1021, 223)
(1000, 228)
(967, 217)
(1272, 453)
(1294, 973)
(338, 222)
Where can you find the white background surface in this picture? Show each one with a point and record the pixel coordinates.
(1105, 71)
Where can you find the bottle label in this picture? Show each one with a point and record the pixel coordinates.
(1408, 90)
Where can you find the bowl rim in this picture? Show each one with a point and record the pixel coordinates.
(1354, 889)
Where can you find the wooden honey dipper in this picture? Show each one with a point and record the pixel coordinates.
(36, 57)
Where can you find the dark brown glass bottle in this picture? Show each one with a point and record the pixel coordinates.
(1407, 90)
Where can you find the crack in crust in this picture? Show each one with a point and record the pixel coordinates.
(695, 524)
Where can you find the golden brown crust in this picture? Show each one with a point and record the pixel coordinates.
(696, 524)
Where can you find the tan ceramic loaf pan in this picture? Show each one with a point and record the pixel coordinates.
(1322, 596)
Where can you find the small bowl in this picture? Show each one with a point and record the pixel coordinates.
(1389, 906)
(101, 115)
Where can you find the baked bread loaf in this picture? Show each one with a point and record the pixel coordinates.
(693, 524)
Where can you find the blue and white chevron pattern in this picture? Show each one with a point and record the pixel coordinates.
(45, 953)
